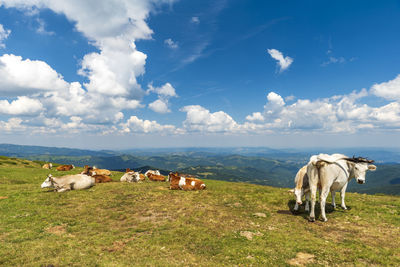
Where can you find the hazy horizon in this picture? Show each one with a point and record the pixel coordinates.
(188, 148)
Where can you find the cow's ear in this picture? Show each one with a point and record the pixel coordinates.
(371, 167)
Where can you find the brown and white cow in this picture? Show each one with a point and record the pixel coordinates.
(47, 166)
(99, 178)
(142, 177)
(102, 178)
(185, 183)
(156, 172)
(155, 177)
(93, 171)
(65, 167)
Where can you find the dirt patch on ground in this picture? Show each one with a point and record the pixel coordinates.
(117, 246)
(301, 259)
(57, 230)
(249, 235)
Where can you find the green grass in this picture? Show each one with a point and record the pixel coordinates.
(145, 224)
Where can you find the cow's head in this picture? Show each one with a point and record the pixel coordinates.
(359, 167)
(48, 183)
(298, 193)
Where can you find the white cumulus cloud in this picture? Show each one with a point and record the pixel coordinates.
(134, 124)
(164, 93)
(200, 119)
(283, 62)
(18, 76)
(21, 106)
(159, 106)
(389, 90)
(256, 116)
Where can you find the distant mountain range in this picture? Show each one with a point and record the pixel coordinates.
(252, 165)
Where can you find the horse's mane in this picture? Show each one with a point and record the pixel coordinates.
(359, 160)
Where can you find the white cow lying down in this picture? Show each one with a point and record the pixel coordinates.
(130, 177)
(68, 182)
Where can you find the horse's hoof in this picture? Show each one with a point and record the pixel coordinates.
(324, 219)
(312, 219)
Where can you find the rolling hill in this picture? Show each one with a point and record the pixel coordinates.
(216, 164)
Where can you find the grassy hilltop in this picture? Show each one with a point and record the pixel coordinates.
(146, 224)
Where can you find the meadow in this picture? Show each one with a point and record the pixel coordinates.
(146, 224)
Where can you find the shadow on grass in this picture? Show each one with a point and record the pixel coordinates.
(301, 212)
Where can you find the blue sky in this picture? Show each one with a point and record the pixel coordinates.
(123, 74)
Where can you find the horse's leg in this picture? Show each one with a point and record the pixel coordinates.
(333, 194)
(342, 195)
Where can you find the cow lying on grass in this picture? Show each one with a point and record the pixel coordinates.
(47, 166)
(65, 167)
(99, 178)
(130, 176)
(185, 183)
(94, 171)
(155, 172)
(68, 182)
(155, 177)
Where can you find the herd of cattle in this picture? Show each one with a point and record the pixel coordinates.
(91, 175)
(325, 173)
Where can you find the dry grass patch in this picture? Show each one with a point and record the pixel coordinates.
(301, 259)
(57, 230)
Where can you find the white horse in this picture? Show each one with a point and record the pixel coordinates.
(68, 182)
(333, 172)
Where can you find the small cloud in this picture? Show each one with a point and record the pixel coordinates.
(283, 62)
(195, 20)
(333, 60)
(171, 44)
(164, 93)
(41, 28)
(256, 116)
(167, 90)
(160, 106)
(290, 98)
(3, 35)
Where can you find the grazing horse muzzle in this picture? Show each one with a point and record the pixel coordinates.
(360, 181)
